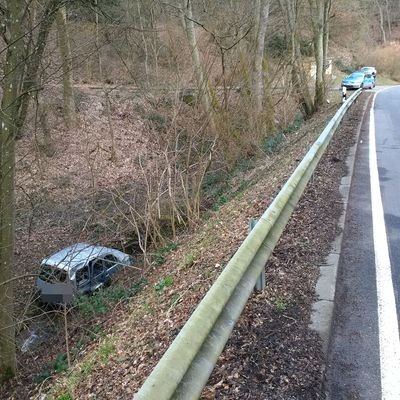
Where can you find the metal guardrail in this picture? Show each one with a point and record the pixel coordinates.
(184, 369)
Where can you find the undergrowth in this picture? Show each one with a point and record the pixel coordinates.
(160, 253)
(101, 301)
(216, 186)
(59, 365)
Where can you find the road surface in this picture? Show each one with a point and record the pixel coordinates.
(364, 353)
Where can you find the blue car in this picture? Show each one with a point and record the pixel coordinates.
(359, 80)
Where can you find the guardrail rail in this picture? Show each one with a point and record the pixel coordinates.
(185, 367)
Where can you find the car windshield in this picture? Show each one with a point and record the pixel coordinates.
(52, 275)
(356, 75)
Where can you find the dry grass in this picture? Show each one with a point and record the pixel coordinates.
(386, 60)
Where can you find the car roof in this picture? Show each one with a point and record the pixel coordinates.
(368, 68)
(76, 255)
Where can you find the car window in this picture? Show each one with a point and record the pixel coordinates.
(110, 260)
(52, 275)
(98, 267)
(82, 275)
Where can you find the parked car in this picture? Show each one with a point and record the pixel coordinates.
(369, 70)
(78, 269)
(358, 80)
(369, 81)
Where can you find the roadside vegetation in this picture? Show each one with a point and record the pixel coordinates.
(150, 127)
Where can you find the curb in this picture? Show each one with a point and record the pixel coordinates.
(322, 309)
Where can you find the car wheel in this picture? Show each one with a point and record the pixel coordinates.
(107, 282)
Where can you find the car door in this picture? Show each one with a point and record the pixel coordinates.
(83, 281)
(111, 263)
(99, 273)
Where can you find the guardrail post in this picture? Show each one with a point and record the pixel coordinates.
(344, 93)
(260, 283)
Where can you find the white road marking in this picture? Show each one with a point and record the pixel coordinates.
(389, 341)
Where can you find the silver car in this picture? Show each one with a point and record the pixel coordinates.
(78, 269)
(369, 70)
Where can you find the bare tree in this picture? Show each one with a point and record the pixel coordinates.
(65, 52)
(290, 9)
(201, 77)
(97, 40)
(21, 66)
(258, 78)
(12, 72)
(33, 50)
(319, 13)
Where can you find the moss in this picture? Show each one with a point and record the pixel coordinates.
(6, 374)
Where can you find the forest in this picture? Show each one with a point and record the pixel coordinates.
(130, 124)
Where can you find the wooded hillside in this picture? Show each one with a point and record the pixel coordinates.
(126, 123)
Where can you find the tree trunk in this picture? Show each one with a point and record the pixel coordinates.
(258, 79)
(319, 13)
(146, 51)
(389, 19)
(97, 41)
(13, 69)
(327, 11)
(20, 66)
(30, 80)
(201, 78)
(65, 52)
(381, 22)
(299, 78)
(113, 151)
(48, 147)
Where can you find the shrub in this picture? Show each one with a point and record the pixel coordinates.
(65, 396)
(105, 351)
(163, 283)
(99, 303)
(277, 45)
(59, 365)
(159, 255)
(341, 66)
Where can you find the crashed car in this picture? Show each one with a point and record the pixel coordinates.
(78, 269)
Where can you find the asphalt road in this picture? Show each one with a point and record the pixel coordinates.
(364, 352)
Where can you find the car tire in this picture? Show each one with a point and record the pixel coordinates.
(107, 282)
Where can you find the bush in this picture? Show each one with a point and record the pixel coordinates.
(59, 365)
(160, 253)
(341, 66)
(277, 45)
(163, 284)
(100, 301)
(65, 396)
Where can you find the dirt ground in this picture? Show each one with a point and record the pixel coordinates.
(271, 354)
